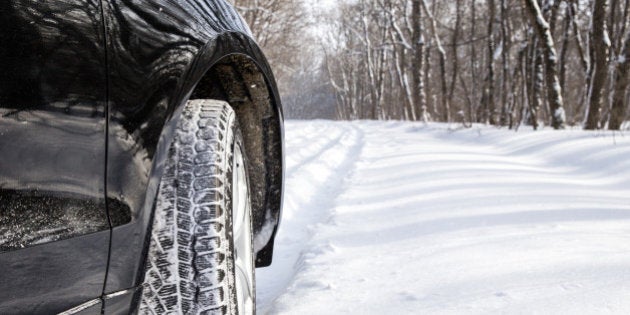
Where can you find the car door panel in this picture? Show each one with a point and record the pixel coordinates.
(54, 277)
(54, 230)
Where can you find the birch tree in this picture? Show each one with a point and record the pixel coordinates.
(502, 62)
(446, 107)
(554, 93)
(420, 98)
(488, 98)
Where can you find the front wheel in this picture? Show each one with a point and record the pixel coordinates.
(200, 258)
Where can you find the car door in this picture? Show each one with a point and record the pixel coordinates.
(54, 230)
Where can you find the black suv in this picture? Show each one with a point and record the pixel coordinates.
(141, 158)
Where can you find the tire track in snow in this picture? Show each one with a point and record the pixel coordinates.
(438, 222)
(311, 184)
(331, 140)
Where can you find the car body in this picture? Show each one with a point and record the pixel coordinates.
(90, 92)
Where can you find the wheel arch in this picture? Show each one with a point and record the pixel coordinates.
(199, 74)
(232, 68)
(240, 75)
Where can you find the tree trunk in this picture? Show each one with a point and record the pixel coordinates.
(446, 108)
(566, 32)
(507, 92)
(586, 65)
(473, 62)
(600, 63)
(370, 62)
(489, 110)
(625, 20)
(618, 110)
(420, 100)
(454, 43)
(554, 93)
(536, 85)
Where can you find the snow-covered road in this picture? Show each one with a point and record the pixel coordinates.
(401, 218)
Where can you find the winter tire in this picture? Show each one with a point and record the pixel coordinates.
(200, 258)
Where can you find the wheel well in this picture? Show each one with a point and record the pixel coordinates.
(237, 80)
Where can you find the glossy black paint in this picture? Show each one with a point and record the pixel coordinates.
(90, 91)
(52, 155)
(55, 277)
(52, 107)
(158, 53)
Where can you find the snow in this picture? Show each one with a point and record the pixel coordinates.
(498, 51)
(607, 41)
(412, 218)
(559, 114)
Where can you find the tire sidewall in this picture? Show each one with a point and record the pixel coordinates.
(229, 137)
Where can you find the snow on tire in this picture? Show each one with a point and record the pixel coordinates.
(200, 258)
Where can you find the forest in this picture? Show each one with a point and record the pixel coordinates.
(508, 63)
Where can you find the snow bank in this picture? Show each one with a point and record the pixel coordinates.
(402, 218)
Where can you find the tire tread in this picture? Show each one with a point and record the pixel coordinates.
(186, 262)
